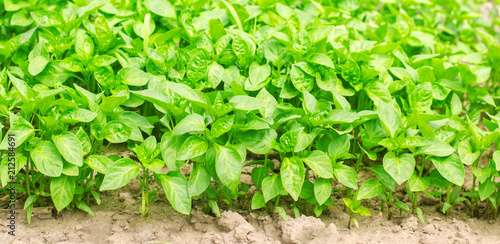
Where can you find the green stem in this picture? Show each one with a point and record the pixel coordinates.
(105, 150)
(414, 203)
(473, 202)
(448, 198)
(142, 192)
(422, 166)
(389, 206)
(358, 161)
(28, 181)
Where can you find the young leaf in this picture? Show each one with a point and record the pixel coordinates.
(176, 189)
(191, 123)
(199, 181)
(450, 168)
(258, 201)
(119, 174)
(346, 175)
(271, 187)
(260, 141)
(322, 190)
(62, 190)
(292, 176)
(70, 147)
(47, 159)
(228, 165)
(390, 118)
(193, 147)
(370, 188)
(320, 163)
(399, 167)
(258, 74)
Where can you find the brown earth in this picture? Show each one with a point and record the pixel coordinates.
(117, 220)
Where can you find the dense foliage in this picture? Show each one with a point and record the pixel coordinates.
(404, 88)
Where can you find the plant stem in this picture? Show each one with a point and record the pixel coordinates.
(358, 161)
(28, 181)
(415, 200)
(422, 166)
(473, 202)
(389, 206)
(448, 198)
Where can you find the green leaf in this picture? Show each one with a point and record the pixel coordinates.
(346, 175)
(486, 189)
(271, 104)
(437, 148)
(170, 147)
(176, 189)
(271, 187)
(30, 200)
(399, 167)
(418, 184)
(230, 11)
(83, 137)
(259, 141)
(369, 189)
(301, 42)
(84, 45)
(420, 98)
(321, 59)
(62, 190)
(47, 159)
(117, 132)
(193, 147)
(199, 181)
(496, 159)
(21, 86)
(384, 177)
(21, 133)
(322, 190)
(300, 79)
(258, 201)
(351, 73)
(196, 97)
(70, 147)
(83, 206)
(119, 174)
(304, 140)
(99, 163)
(292, 173)
(339, 147)
(154, 165)
(197, 66)
(259, 174)
(161, 7)
(258, 73)
(37, 65)
(47, 18)
(132, 76)
(246, 103)
(450, 168)
(215, 72)
(320, 163)
(77, 115)
(310, 103)
(222, 125)
(466, 155)
(228, 165)
(191, 123)
(391, 119)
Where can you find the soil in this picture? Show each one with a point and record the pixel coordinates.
(117, 220)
